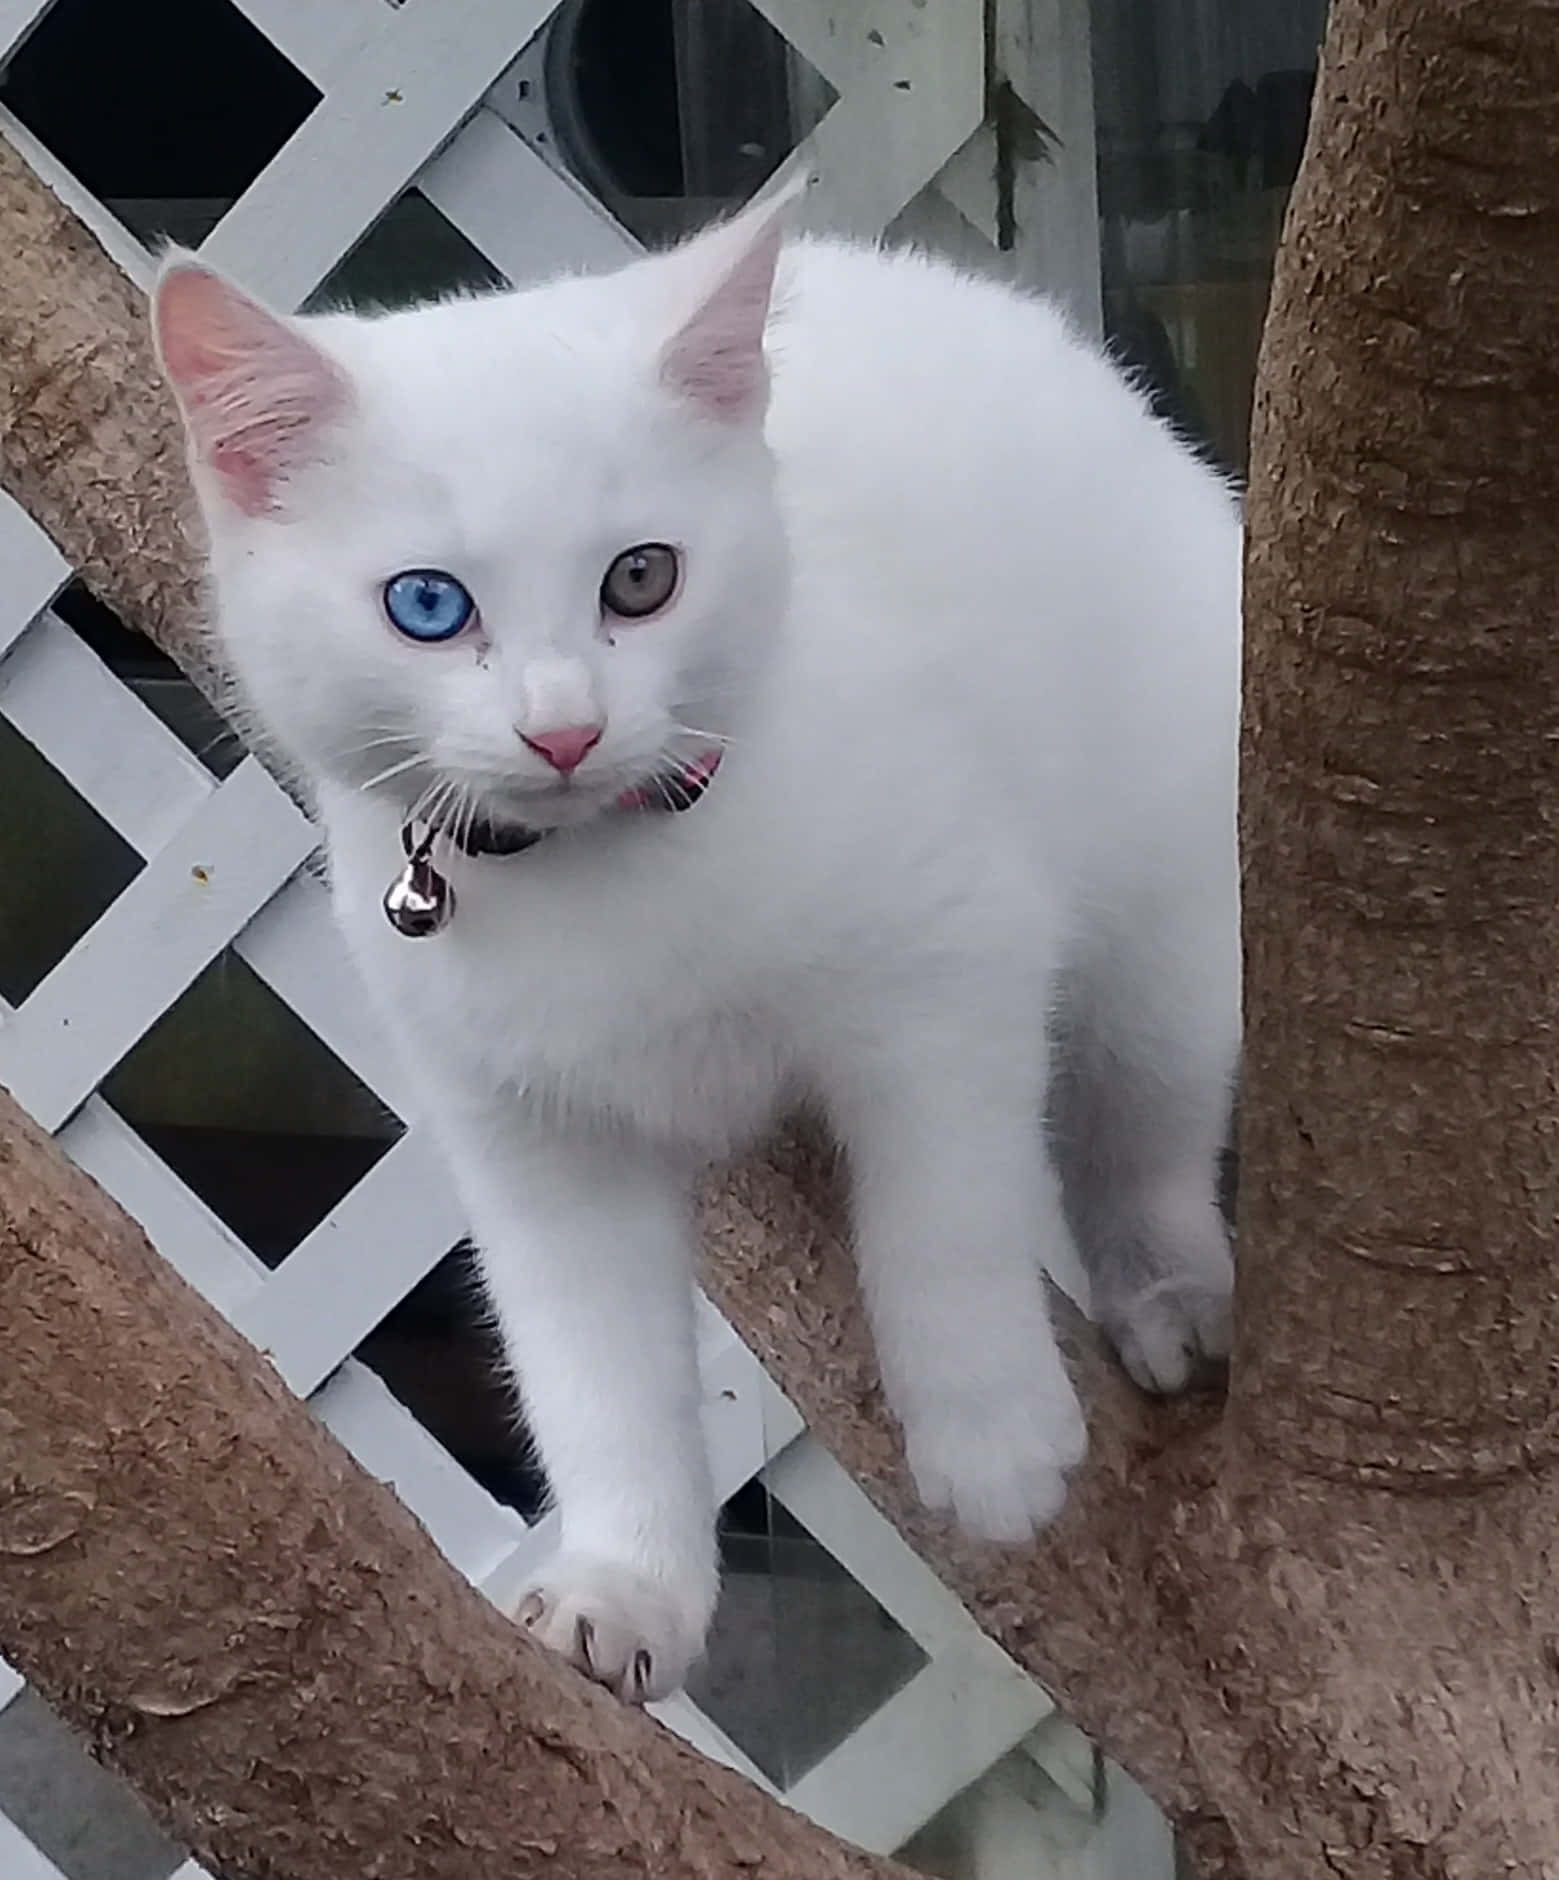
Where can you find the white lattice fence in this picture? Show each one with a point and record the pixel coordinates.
(416, 94)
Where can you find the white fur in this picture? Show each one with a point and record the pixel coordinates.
(967, 617)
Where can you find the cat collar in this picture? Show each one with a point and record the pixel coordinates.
(420, 901)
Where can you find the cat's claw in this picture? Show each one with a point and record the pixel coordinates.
(1173, 1334)
(617, 1626)
(997, 1463)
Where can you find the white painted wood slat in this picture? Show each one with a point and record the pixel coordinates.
(911, 85)
(202, 1248)
(146, 784)
(369, 1251)
(527, 219)
(836, 1511)
(928, 1742)
(186, 905)
(476, 1533)
(702, 1733)
(19, 1859)
(968, 1707)
(121, 757)
(321, 41)
(399, 101)
(746, 1417)
(33, 568)
(17, 19)
(880, 121)
(293, 943)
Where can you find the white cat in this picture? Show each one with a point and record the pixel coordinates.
(960, 620)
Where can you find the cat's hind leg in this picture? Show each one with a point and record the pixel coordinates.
(955, 1207)
(1139, 1114)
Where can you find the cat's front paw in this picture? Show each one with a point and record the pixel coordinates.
(997, 1459)
(616, 1625)
(1174, 1333)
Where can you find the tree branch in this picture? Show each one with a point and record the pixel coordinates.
(90, 444)
(257, 1634)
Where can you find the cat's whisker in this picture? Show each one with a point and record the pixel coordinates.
(384, 747)
(712, 737)
(451, 807)
(393, 771)
(375, 743)
(465, 816)
(427, 805)
(222, 736)
(445, 802)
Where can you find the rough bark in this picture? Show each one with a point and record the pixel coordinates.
(1391, 1495)
(84, 417)
(1320, 1629)
(1403, 681)
(255, 1632)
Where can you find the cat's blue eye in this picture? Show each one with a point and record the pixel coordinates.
(427, 604)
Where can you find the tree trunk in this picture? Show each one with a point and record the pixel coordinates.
(1390, 1497)
(1321, 1628)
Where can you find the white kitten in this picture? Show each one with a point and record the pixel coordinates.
(962, 620)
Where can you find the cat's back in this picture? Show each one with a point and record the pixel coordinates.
(922, 376)
(987, 516)
(854, 324)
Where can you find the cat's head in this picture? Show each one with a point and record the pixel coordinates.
(520, 550)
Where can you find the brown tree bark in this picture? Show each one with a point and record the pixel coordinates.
(84, 418)
(1320, 1628)
(257, 1635)
(1389, 1508)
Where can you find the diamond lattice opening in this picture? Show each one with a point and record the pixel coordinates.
(81, 1816)
(154, 679)
(62, 863)
(167, 113)
(438, 1352)
(246, 1104)
(800, 1654)
(412, 253)
(668, 111)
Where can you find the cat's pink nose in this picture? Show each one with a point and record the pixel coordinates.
(566, 748)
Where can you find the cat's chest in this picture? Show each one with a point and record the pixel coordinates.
(579, 1014)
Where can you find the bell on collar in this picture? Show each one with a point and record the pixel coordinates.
(419, 901)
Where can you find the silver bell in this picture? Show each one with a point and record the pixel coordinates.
(419, 901)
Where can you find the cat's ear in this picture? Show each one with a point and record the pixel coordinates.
(715, 359)
(255, 393)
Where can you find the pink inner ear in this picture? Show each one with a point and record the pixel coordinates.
(254, 391)
(716, 360)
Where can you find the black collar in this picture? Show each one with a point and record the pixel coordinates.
(421, 901)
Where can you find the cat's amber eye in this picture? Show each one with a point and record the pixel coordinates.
(641, 581)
